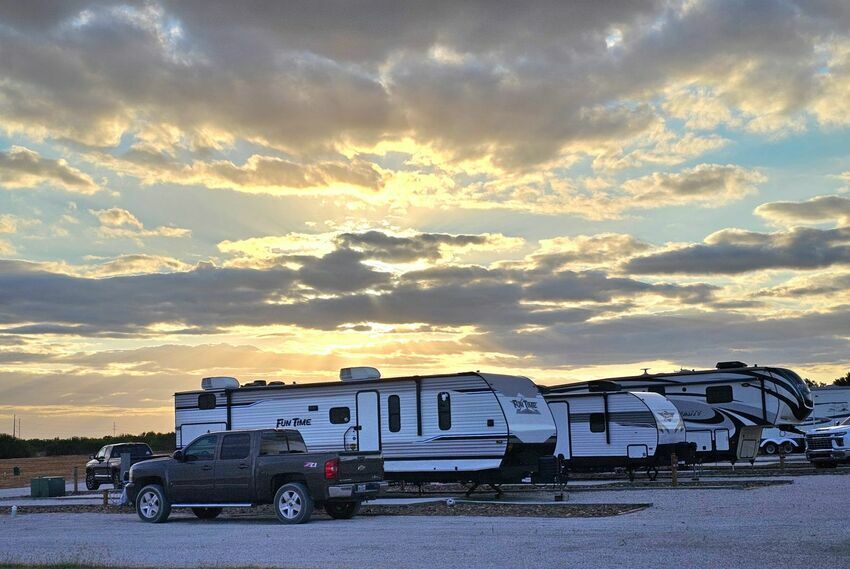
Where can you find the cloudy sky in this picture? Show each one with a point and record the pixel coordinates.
(278, 190)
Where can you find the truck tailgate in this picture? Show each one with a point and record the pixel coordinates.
(361, 467)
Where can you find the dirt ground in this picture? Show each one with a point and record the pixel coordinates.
(42, 466)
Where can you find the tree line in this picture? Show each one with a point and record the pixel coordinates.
(11, 447)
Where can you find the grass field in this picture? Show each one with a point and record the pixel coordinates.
(43, 466)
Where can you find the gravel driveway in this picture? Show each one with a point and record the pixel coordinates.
(798, 525)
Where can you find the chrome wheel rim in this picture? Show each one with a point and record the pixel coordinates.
(289, 504)
(149, 504)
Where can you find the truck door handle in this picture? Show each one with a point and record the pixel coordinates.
(243, 466)
(207, 467)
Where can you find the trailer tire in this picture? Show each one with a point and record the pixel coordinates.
(342, 510)
(151, 504)
(91, 481)
(293, 504)
(769, 448)
(787, 447)
(206, 513)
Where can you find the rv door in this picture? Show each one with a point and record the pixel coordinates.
(368, 422)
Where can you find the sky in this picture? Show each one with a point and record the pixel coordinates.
(276, 190)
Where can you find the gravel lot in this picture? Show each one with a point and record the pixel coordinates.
(798, 525)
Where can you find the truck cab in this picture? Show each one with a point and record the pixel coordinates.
(829, 446)
(252, 467)
(105, 466)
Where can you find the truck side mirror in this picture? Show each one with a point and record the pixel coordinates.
(178, 456)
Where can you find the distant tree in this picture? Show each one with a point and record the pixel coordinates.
(843, 380)
(10, 447)
(813, 383)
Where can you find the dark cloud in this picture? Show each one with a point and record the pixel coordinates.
(733, 251)
(390, 248)
(599, 287)
(818, 209)
(24, 168)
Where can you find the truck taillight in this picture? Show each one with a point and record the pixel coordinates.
(331, 468)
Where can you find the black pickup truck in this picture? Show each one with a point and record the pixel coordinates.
(105, 466)
(252, 467)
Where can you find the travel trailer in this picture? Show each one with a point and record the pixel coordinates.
(724, 409)
(617, 429)
(832, 405)
(466, 427)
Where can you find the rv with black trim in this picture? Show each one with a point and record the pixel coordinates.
(467, 427)
(724, 409)
(604, 430)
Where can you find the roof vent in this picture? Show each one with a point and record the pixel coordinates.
(359, 374)
(730, 365)
(256, 383)
(211, 383)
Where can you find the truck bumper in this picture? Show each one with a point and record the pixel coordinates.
(362, 491)
(827, 455)
(132, 492)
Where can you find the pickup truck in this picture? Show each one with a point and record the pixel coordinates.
(827, 446)
(252, 467)
(105, 466)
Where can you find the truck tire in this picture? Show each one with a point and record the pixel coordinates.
(769, 448)
(342, 510)
(91, 481)
(293, 504)
(151, 504)
(206, 513)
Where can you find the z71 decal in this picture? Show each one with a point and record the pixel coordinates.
(310, 465)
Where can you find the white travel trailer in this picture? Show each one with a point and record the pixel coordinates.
(467, 427)
(616, 428)
(724, 409)
(832, 405)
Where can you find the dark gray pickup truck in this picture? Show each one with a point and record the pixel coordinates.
(248, 468)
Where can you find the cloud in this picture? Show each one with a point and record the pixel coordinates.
(709, 184)
(118, 222)
(24, 168)
(819, 209)
(735, 251)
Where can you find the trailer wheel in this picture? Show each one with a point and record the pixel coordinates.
(293, 504)
(206, 513)
(787, 447)
(151, 504)
(342, 510)
(769, 448)
(91, 481)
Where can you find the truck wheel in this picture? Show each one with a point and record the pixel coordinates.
(91, 482)
(787, 447)
(206, 513)
(151, 504)
(342, 510)
(293, 504)
(769, 448)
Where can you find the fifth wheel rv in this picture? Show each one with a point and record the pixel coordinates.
(724, 409)
(468, 427)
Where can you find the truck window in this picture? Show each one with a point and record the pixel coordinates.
(339, 415)
(718, 394)
(444, 410)
(102, 452)
(116, 451)
(272, 444)
(296, 443)
(203, 448)
(394, 413)
(236, 446)
(597, 422)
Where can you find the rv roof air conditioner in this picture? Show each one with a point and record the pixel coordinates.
(359, 374)
(209, 383)
(730, 365)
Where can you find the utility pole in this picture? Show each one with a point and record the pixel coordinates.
(113, 429)
(19, 427)
(14, 424)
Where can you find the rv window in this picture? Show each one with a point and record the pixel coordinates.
(203, 448)
(394, 411)
(235, 446)
(718, 394)
(340, 415)
(444, 410)
(296, 443)
(273, 444)
(597, 422)
(659, 389)
(206, 401)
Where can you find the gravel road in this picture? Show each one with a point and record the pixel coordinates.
(798, 525)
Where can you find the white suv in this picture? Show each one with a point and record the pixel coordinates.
(828, 446)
